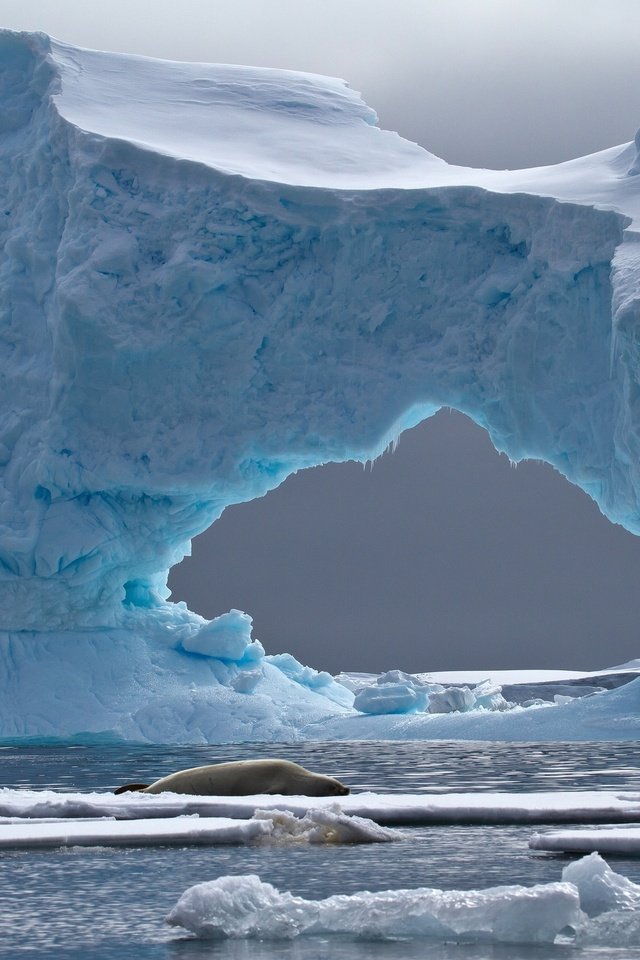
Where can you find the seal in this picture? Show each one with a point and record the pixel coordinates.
(241, 778)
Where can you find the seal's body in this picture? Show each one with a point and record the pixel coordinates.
(246, 777)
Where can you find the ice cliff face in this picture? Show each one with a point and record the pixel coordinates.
(211, 277)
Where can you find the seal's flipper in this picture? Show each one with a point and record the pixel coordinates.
(131, 787)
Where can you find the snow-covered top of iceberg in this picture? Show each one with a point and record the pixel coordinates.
(266, 124)
(296, 128)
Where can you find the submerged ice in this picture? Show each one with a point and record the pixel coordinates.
(229, 277)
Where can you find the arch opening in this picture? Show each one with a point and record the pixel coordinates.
(441, 556)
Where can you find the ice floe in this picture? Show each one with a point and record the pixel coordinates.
(264, 826)
(245, 907)
(590, 905)
(397, 809)
(624, 841)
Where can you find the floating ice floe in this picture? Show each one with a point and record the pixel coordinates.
(275, 826)
(624, 841)
(590, 901)
(245, 907)
(385, 809)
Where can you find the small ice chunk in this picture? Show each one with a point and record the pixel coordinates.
(227, 637)
(611, 902)
(600, 888)
(326, 825)
(489, 696)
(390, 698)
(452, 700)
(239, 907)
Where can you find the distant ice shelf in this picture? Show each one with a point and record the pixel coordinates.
(214, 276)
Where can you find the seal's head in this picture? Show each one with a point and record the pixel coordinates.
(340, 790)
(326, 787)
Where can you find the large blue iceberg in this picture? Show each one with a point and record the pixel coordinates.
(214, 276)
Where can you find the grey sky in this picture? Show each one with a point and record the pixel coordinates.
(443, 555)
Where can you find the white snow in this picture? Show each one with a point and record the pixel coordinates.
(387, 809)
(231, 274)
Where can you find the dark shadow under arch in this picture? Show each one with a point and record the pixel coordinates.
(440, 556)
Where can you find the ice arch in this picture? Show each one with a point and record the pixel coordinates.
(238, 275)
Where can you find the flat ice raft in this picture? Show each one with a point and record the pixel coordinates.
(268, 826)
(385, 809)
(610, 840)
(110, 832)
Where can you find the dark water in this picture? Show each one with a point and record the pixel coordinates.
(108, 903)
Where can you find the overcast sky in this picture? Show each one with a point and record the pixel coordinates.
(442, 555)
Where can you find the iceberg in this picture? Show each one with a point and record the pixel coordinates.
(231, 275)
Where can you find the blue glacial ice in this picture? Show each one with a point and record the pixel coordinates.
(214, 276)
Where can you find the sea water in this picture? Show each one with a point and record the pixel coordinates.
(108, 903)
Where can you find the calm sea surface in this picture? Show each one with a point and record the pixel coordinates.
(110, 903)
